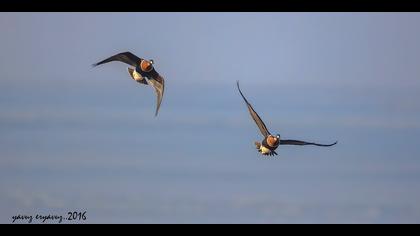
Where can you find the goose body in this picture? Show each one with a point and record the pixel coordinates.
(142, 71)
(271, 142)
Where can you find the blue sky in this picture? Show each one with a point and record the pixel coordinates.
(73, 137)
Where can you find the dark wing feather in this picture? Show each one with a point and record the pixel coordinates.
(254, 115)
(126, 57)
(297, 142)
(158, 83)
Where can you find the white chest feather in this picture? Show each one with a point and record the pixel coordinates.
(137, 76)
(264, 150)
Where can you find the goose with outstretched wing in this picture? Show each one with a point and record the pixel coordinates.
(271, 142)
(143, 72)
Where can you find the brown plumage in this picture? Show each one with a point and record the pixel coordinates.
(146, 66)
(143, 72)
(271, 142)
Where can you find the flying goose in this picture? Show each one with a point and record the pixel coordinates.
(271, 142)
(143, 72)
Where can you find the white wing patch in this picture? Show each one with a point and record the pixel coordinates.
(137, 76)
(264, 150)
